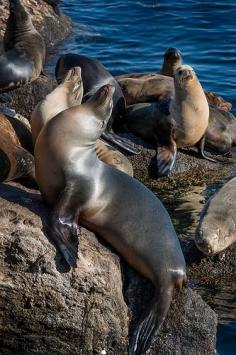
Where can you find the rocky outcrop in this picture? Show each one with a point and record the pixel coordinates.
(53, 27)
(47, 308)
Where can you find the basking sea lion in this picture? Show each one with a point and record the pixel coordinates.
(217, 226)
(95, 75)
(24, 55)
(68, 94)
(148, 87)
(107, 202)
(15, 159)
(171, 61)
(181, 121)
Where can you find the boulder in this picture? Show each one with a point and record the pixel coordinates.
(47, 308)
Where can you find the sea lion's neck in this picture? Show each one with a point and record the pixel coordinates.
(56, 102)
(168, 67)
(190, 110)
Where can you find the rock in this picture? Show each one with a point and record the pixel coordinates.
(54, 28)
(48, 309)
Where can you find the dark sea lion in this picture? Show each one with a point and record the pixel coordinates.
(217, 227)
(15, 160)
(24, 50)
(95, 75)
(68, 94)
(114, 205)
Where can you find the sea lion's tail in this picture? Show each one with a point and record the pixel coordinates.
(150, 322)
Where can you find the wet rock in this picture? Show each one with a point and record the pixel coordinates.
(53, 27)
(47, 308)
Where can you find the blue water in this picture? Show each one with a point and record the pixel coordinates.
(131, 36)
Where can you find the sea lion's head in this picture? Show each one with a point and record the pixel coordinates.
(184, 76)
(74, 85)
(102, 102)
(96, 113)
(172, 60)
(19, 15)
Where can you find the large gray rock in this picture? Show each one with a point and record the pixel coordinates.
(47, 308)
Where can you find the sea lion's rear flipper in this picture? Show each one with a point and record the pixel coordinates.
(63, 224)
(166, 157)
(201, 147)
(150, 322)
(120, 142)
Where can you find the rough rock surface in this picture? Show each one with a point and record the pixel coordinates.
(46, 308)
(54, 28)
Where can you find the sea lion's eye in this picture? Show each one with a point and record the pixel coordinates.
(180, 72)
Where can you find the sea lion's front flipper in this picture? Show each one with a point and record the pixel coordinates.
(166, 156)
(201, 147)
(63, 224)
(120, 142)
(150, 322)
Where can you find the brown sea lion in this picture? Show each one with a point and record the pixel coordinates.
(217, 226)
(68, 94)
(24, 50)
(15, 160)
(152, 86)
(179, 122)
(109, 203)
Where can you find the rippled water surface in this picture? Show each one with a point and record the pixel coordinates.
(129, 36)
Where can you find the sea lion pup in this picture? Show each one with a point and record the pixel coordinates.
(107, 202)
(217, 227)
(24, 48)
(68, 94)
(15, 160)
(95, 75)
(180, 122)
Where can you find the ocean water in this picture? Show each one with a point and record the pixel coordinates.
(131, 36)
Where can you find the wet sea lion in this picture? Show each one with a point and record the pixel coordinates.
(108, 202)
(217, 226)
(95, 75)
(68, 94)
(24, 50)
(181, 121)
(15, 159)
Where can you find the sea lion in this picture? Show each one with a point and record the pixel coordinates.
(94, 75)
(108, 202)
(180, 121)
(143, 120)
(148, 87)
(217, 226)
(172, 60)
(24, 50)
(68, 94)
(15, 160)
(151, 89)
